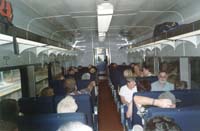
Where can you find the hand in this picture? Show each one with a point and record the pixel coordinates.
(164, 103)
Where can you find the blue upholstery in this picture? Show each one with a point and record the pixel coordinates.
(48, 122)
(187, 97)
(186, 117)
(81, 84)
(84, 105)
(58, 87)
(36, 105)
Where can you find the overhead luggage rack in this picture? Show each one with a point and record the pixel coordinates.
(188, 33)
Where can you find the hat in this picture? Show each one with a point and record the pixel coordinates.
(129, 79)
(168, 95)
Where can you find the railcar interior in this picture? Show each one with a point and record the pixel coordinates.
(95, 46)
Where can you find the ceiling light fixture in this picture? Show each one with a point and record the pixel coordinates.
(104, 16)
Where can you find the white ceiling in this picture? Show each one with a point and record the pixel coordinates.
(66, 19)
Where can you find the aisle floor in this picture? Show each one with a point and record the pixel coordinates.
(109, 118)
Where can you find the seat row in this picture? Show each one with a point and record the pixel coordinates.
(48, 105)
(186, 114)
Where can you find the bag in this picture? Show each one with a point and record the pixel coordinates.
(6, 11)
(164, 27)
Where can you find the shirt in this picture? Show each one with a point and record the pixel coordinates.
(127, 93)
(156, 86)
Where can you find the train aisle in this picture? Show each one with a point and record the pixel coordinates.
(109, 118)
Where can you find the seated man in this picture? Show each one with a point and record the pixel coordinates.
(74, 126)
(126, 91)
(162, 84)
(70, 85)
(67, 105)
(165, 100)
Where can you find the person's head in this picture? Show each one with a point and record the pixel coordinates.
(130, 82)
(67, 105)
(47, 91)
(71, 71)
(137, 70)
(128, 73)
(170, 96)
(146, 70)
(9, 110)
(181, 85)
(70, 85)
(92, 70)
(7, 126)
(161, 123)
(75, 126)
(162, 77)
(59, 77)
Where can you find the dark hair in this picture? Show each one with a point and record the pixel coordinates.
(7, 126)
(161, 123)
(9, 110)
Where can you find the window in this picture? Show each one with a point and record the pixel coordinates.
(10, 82)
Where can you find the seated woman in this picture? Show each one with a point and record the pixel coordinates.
(71, 88)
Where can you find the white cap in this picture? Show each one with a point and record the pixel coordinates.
(137, 127)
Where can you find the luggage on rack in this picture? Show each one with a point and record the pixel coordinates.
(164, 27)
(6, 12)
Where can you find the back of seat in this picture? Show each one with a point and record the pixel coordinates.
(48, 122)
(58, 87)
(186, 117)
(187, 97)
(36, 105)
(84, 105)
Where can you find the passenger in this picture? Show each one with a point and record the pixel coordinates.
(47, 91)
(180, 85)
(71, 87)
(75, 126)
(9, 110)
(146, 71)
(137, 71)
(67, 105)
(128, 73)
(165, 100)
(143, 85)
(7, 126)
(85, 76)
(126, 92)
(59, 77)
(161, 123)
(162, 84)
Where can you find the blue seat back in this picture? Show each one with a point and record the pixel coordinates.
(186, 117)
(36, 105)
(84, 105)
(81, 84)
(48, 122)
(187, 97)
(58, 87)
